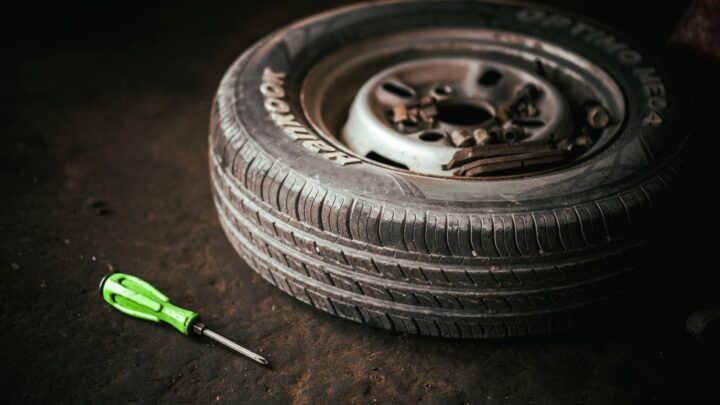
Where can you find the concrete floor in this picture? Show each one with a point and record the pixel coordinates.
(103, 166)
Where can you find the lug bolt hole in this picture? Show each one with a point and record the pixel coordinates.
(463, 114)
(490, 77)
(528, 122)
(398, 90)
(443, 90)
(431, 136)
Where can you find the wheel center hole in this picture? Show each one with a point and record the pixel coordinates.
(462, 114)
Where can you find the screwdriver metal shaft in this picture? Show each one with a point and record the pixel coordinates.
(202, 330)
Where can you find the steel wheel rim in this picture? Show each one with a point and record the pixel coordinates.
(341, 96)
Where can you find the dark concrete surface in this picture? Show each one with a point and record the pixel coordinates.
(103, 166)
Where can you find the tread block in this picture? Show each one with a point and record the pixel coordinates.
(320, 301)
(404, 324)
(390, 270)
(416, 274)
(504, 235)
(485, 234)
(496, 304)
(525, 234)
(459, 278)
(296, 265)
(377, 318)
(448, 302)
(505, 278)
(300, 293)
(548, 235)
(415, 232)
(615, 217)
(427, 328)
(539, 301)
(335, 255)
(345, 283)
(347, 311)
(495, 329)
(483, 278)
(317, 273)
(458, 235)
(570, 230)
(426, 299)
(364, 265)
(403, 297)
(519, 303)
(375, 292)
(473, 304)
(449, 329)
(528, 277)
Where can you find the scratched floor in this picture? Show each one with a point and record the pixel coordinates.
(103, 165)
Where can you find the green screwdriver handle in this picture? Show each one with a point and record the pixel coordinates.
(136, 297)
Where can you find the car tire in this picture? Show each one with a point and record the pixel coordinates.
(441, 256)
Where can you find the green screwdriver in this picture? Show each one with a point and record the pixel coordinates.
(136, 297)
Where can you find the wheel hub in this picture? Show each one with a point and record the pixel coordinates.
(426, 110)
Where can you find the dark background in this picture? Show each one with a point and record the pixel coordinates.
(103, 166)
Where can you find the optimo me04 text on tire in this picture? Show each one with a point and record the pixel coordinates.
(460, 169)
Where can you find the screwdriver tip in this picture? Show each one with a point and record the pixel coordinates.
(232, 345)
